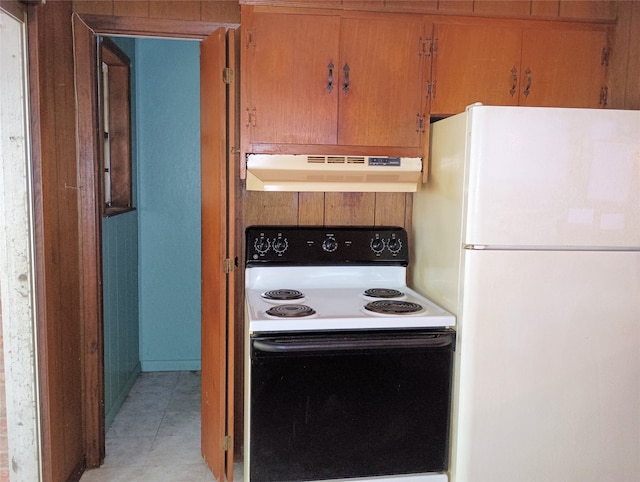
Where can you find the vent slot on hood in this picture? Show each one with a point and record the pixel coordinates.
(335, 160)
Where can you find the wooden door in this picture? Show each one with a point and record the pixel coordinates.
(382, 94)
(233, 138)
(291, 97)
(217, 177)
(565, 67)
(475, 63)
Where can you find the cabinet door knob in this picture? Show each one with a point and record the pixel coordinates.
(527, 89)
(346, 69)
(514, 81)
(330, 80)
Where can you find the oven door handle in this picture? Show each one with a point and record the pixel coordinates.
(352, 343)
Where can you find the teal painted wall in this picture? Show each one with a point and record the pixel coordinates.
(120, 294)
(120, 286)
(168, 147)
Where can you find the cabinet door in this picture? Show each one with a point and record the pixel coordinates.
(475, 63)
(565, 68)
(288, 68)
(385, 91)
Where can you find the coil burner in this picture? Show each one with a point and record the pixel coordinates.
(393, 307)
(383, 293)
(283, 295)
(291, 311)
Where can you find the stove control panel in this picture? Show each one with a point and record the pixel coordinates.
(315, 245)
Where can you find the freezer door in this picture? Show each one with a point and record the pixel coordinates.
(548, 368)
(552, 177)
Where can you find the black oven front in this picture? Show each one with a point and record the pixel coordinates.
(349, 404)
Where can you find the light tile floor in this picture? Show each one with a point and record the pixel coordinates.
(155, 436)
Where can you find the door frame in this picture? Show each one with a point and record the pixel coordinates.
(86, 29)
(18, 238)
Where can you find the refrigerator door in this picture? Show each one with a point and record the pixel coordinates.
(552, 177)
(548, 367)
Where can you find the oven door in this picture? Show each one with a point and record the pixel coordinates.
(358, 404)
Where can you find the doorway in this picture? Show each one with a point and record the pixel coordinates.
(217, 204)
(152, 266)
(151, 256)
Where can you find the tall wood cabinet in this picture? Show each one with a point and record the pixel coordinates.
(505, 64)
(334, 83)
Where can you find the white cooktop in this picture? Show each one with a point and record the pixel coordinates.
(336, 295)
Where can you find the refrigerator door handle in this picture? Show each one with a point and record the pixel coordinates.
(474, 246)
(488, 247)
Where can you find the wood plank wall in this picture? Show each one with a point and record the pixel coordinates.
(204, 11)
(57, 192)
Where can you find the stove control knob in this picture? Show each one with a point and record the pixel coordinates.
(261, 245)
(330, 245)
(377, 245)
(395, 245)
(280, 245)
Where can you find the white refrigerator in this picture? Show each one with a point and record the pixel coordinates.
(528, 230)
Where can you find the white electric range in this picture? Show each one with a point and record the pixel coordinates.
(349, 370)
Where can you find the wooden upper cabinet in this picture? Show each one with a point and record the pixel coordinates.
(474, 63)
(335, 83)
(564, 68)
(289, 60)
(515, 65)
(383, 103)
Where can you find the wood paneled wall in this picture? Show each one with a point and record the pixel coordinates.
(205, 11)
(326, 209)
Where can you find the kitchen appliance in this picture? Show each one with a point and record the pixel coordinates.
(284, 172)
(349, 369)
(528, 230)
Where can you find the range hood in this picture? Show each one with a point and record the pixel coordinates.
(284, 172)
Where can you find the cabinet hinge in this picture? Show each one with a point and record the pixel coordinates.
(228, 265)
(604, 95)
(226, 442)
(227, 75)
(605, 56)
(251, 117)
(235, 152)
(424, 47)
(251, 38)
